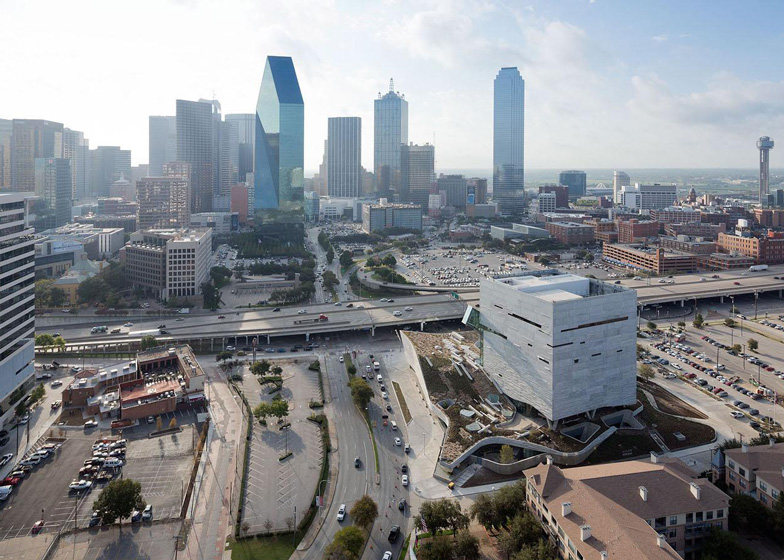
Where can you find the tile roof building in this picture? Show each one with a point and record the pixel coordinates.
(638, 510)
(757, 471)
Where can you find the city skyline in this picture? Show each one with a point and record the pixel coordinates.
(680, 83)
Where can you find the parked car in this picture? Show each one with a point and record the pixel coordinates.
(147, 513)
(91, 424)
(95, 519)
(80, 485)
(342, 512)
(37, 527)
(136, 516)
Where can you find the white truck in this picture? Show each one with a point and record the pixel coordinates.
(758, 267)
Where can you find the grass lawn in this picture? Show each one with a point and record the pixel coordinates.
(402, 400)
(263, 548)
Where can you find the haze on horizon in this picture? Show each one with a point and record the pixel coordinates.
(609, 84)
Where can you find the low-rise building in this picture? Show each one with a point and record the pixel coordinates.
(481, 210)
(636, 231)
(377, 217)
(695, 229)
(725, 261)
(518, 231)
(686, 244)
(570, 233)
(764, 249)
(69, 282)
(756, 471)
(652, 258)
(638, 510)
(221, 223)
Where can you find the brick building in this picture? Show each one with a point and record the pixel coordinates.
(757, 471)
(769, 217)
(570, 233)
(695, 229)
(695, 245)
(764, 249)
(634, 231)
(653, 259)
(561, 194)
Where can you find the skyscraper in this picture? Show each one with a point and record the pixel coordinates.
(390, 133)
(17, 307)
(417, 173)
(163, 142)
(195, 146)
(107, 165)
(344, 155)
(245, 124)
(620, 179)
(280, 141)
(31, 139)
(576, 181)
(76, 149)
(508, 141)
(6, 127)
(53, 185)
(765, 145)
(164, 202)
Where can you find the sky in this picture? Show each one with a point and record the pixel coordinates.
(610, 84)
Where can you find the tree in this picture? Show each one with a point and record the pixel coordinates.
(118, 499)
(364, 512)
(38, 393)
(723, 545)
(748, 515)
(441, 514)
(277, 370)
(506, 454)
(729, 323)
(645, 371)
(44, 340)
(466, 546)
(651, 326)
(329, 279)
(484, 511)
(681, 324)
(737, 348)
(347, 544)
(330, 255)
(260, 368)
(542, 550)
(346, 260)
(509, 501)
(361, 392)
(211, 295)
(753, 344)
(223, 356)
(389, 260)
(93, 290)
(438, 548)
(57, 297)
(148, 341)
(777, 514)
(21, 409)
(59, 341)
(698, 321)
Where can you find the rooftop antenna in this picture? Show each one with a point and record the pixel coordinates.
(391, 84)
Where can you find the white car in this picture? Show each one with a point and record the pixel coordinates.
(409, 308)
(301, 312)
(736, 414)
(340, 359)
(4, 460)
(398, 442)
(384, 395)
(79, 485)
(113, 462)
(387, 555)
(230, 348)
(342, 512)
(397, 313)
(404, 480)
(90, 424)
(128, 325)
(147, 513)
(56, 383)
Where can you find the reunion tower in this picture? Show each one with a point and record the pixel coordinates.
(765, 145)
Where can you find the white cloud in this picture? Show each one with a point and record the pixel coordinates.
(659, 38)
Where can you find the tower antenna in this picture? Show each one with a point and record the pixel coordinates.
(391, 84)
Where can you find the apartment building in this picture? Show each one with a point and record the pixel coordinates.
(764, 249)
(570, 233)
(635, 231)
(639, 510)
(559, 343)
(757, 471)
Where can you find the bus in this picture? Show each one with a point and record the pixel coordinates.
(99, 329)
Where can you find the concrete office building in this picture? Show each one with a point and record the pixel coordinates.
(476, 191)
(195, 147)
(456, 189)
(169, 262)
(377, 217)
(508, 141)
(620, 179)
(76, 149)
(560, 343)
(163, 143)
(17, 299)
(53, 185)
(417, 170)
(390, 133)
(546, 202)
(561, 194)
(575, 181)
(6, 130)
(344, 156)
(31, 139)
(221, 223)
(163, 202)
(648, 197)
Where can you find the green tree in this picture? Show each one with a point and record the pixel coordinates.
(777, 515)
(347, 543)
(211, 295)
(698, 321)
(681, 324)
(729, 323)
(651, 326)
(389, 260)
(466, 546)
(753, 344)
(361, 392)
(260, 368)
(57, 297)
(118, 499)
(484, 511)
(509, 501)
(44, 340)
(364, 512)
(330, 255)
(21, 409)
(93, 290)
(723, 545)
(38, 393)
(737, 348)
(438, 548)
(277, 370)
(329, 279)
(506, 455)
(346, 260)
(223, 356)
(59, 341)
(748, 515)
(645, 371)
(148, 341)
(438, 515)
(542, 550)
(262, 410)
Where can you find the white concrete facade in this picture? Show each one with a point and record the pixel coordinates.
(560, 343)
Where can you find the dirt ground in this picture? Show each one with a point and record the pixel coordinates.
(669, 403)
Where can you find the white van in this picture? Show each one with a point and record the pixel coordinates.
(394, 425)
(379, 378)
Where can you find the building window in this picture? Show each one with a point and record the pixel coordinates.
(741, 471)
(698, 516)
(709, 515)
(719, 513)
(689, 517)
(673, 520)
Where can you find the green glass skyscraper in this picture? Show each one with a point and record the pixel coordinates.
(279, 149)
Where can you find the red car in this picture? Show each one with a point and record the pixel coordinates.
(37, 526)
(11, 481)
(736, 283)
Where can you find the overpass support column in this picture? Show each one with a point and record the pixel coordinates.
(307, 337)
(421, 325)
(721, 299)
(373, 330)
(682, 303)
(779, 294)
(268, 339)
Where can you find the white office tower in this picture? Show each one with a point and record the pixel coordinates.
(17, 297)
(620, 179)
(560, 343)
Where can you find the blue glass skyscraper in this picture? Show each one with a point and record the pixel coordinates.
(279, 150)
(508, 126)
(390, 122)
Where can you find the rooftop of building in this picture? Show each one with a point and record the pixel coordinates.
(766, 461)
(550, 285)
(183, 352)
(395, 205)
(139, 392)
(650, 249)
(616, 499)
(91, 377)
(571, 225)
